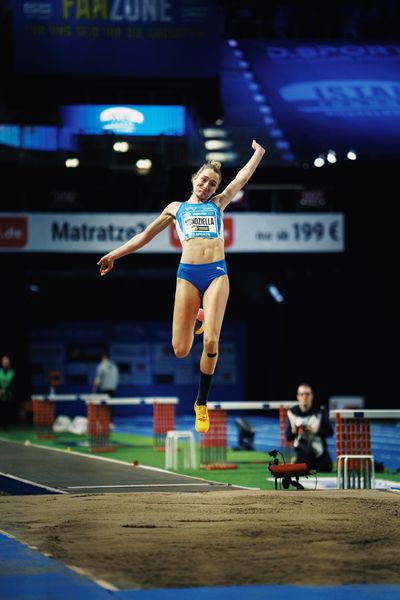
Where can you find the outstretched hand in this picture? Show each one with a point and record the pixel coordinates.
(256, 146)
(106, 264)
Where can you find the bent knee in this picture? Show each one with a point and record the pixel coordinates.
(181, 350)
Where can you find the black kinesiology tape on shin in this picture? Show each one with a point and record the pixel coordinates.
(204, 386)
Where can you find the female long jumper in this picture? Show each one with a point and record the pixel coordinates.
(202, 275)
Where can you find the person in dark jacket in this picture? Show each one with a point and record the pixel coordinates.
(308, 427)
(7, 392)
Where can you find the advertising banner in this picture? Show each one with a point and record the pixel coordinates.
(138, 38)
(100, 233)
(340, 96)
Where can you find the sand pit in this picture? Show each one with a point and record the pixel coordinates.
(157, 540)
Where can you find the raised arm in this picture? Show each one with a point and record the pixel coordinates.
(106, 263)
(241, 178)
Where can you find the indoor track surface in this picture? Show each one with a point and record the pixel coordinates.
(45, 470)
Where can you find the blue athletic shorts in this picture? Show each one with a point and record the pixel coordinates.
(202, 275)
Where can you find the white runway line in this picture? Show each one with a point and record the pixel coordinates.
(140, 485)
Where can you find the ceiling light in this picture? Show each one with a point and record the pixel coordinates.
(72, 163)
(217, 144)
(275, 293)
(319, 161)
(351, 155)
(221, 156)
(331, 156)
(214, 132)
(143, 166)
(121, 147)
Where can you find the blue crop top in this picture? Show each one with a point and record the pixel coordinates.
(202, 220)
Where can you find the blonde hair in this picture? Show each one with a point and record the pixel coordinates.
(214, 165)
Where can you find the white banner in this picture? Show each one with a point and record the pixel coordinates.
(99, 233)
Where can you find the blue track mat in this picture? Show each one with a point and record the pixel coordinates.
(26, 574)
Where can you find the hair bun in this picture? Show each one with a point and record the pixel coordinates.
(215, 164)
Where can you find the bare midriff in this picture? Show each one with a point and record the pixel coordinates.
(202, 251)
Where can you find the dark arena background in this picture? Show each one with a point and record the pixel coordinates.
(107, 109)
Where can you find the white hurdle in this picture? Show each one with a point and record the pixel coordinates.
(365, 474)
(172, 449)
